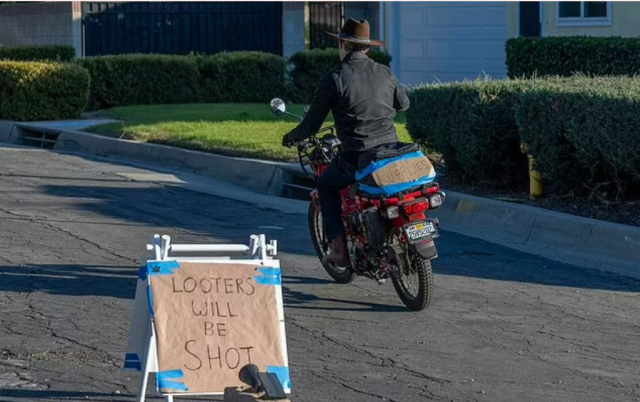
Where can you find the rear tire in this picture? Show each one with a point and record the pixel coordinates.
(321, 245)
(416, 296)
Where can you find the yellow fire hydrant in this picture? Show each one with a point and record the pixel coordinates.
(536, 189)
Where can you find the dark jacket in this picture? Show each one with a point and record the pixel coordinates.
(364, 97)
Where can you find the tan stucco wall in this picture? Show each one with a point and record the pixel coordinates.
(42, 24)
(625, 18)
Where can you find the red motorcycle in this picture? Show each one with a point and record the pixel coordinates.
(388, 232)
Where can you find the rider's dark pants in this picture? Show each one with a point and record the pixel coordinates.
(340, 173)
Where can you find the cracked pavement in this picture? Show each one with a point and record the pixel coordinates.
(503, 325)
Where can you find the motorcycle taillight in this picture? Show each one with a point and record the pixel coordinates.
(416, 207)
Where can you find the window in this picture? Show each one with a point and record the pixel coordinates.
(583, 13)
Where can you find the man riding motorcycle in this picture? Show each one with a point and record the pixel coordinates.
(364, 97)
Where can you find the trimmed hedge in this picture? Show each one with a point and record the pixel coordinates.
(472, 124)
(42, 91)
(141, 79)
(310, 65)
(242, 77)
(565, 56)
(62, 53)
(585, 134)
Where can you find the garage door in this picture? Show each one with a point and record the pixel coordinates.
(442, 41)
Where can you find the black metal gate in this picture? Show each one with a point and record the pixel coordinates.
(324, 16)
(181, 27)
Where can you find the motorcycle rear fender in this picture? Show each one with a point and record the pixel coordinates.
(425, 249)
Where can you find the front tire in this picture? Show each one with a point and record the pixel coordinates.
(415, 284)
(321, 245)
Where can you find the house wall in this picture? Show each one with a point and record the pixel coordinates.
(365, 10)
(55, 23)
(625, 21)
(293, 29)
(513, 18)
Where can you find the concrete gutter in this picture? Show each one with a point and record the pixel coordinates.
(562, 237)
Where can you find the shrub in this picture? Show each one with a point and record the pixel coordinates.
(564, 56)
(584, 134)
(42, 91)
(141, 79)
(62, 53)
(472, 124)
(242, 77)
(310, 65)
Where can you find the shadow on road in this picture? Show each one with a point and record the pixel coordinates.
(233, 221)
(35, 395)
(75, 280)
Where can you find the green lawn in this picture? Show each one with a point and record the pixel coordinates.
(246, 129)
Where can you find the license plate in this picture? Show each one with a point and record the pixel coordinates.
(421, 230)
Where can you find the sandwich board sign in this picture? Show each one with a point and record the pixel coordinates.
(206, 319)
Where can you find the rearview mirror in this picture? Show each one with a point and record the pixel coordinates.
(277, 106)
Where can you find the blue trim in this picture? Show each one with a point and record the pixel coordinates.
(270, 276)
(134, 365)
(373, 166)
(283, 375)
(396, 188)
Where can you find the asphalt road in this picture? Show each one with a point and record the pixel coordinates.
(503, 325)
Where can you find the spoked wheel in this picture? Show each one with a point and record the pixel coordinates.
(415, 282)
(321, 245)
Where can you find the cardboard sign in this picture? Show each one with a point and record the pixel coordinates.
(403, 171)
(211, 319)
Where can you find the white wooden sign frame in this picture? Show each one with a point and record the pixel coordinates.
(141, 351)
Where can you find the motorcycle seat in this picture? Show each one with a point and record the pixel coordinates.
(393, 169)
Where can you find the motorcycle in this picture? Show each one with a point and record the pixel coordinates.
(388, 236)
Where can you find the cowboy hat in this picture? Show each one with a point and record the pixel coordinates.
(357, 31)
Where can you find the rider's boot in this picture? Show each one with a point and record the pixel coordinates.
(339, 254)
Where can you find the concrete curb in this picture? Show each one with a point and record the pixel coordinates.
(562, 237)
(261, 176)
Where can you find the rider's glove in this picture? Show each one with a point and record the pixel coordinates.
(287, 142)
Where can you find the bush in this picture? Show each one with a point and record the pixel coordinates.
(141, 79)
(60, 53)
(472, 124)
(42, 91)
(242, 77)
(564, 56)
(310, 65)
(584, 134)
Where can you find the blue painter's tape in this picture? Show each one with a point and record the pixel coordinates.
(142, 273)
(166, 380)
(269, 276)
(169, 374)
(373, 166)
(134, 365)
(168, 384)
(396, 188)
(162, 267)
(283, 375)
(131, 356)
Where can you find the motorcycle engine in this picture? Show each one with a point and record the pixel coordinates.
(370, 223)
